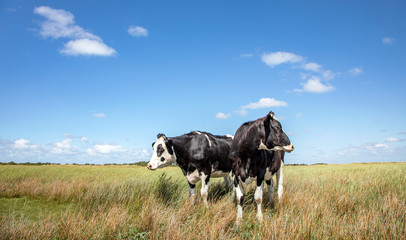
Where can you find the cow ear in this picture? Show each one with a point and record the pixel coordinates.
(170, 142)
(161, 135)
(271, 114)
(269, 118)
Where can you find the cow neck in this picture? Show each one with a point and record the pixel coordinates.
(252, 139)
(179, 149)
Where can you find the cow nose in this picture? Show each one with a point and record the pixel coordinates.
(293, 147)
(149, 166)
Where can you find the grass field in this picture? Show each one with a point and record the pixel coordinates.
(351, 201)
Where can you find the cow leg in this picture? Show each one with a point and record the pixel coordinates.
(269, 184)
(227, 181)
(239, 194)
(279, 181)
(192, 192)
(258, 200)
(204, 192)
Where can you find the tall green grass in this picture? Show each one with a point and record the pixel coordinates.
(352, 201)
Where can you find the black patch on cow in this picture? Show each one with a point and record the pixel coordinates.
(159, 150)
(169, 144)
(194, 151)
(247, 160)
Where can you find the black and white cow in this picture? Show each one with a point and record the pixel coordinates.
(256, 154)
(200, 155)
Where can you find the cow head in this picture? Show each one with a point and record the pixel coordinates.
(163, 154)
(276, 138)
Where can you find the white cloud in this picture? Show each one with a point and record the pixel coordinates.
(394, 139)
(277, 58)
(60, 24)
(265, 103)
(21, 144)
(355, 71)
(68, 151)
(87, 47)
(105, 149)
(221, 115)
(312, 66)
(381, 145)
(63, 147)
(99, 115)
(317, 82)
(314, 85)
(138, 31)
(388, 41)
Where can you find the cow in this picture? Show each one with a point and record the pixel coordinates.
(256, 153)
(200, 155)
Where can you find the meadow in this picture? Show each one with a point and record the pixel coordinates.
(348, 201)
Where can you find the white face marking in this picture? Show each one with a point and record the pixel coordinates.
(156, 161)
(193, 177)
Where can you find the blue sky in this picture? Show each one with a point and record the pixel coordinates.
(96, 81)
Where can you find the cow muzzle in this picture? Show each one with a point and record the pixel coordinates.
(149, 166)
(287, 148)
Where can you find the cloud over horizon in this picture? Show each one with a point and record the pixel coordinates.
(68, 150)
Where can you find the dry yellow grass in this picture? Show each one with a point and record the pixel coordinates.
(353, 201)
